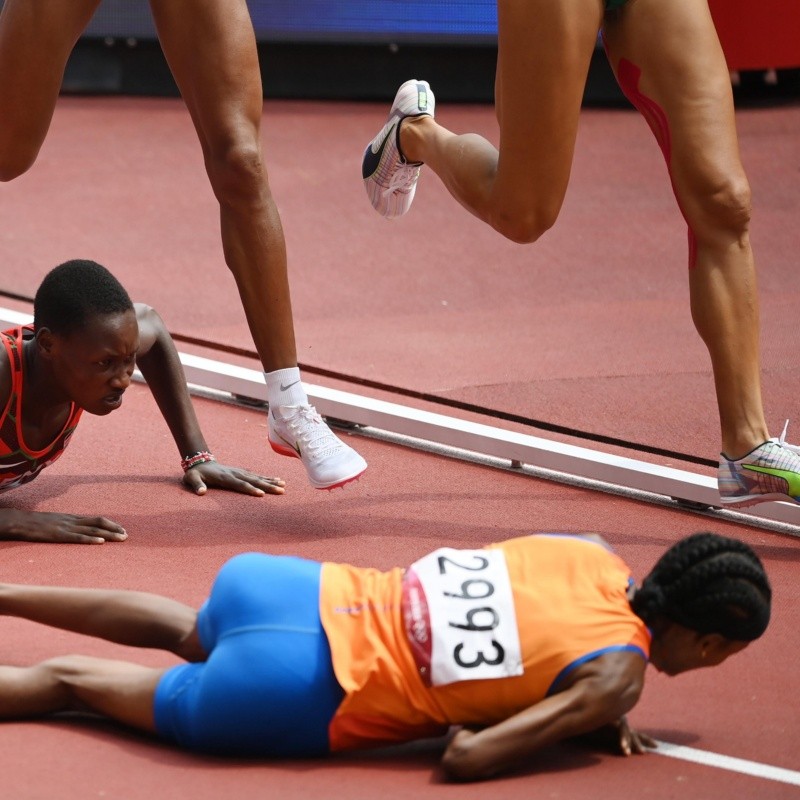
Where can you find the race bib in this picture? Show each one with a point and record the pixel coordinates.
(459, 615)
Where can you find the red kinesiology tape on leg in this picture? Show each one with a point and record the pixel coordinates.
(628, 75)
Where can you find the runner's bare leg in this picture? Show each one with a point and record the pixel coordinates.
(683, 72)
(36, 38)
(211, 50)
(120, 690)
(544, 53)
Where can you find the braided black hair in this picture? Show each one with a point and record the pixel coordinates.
(710, 584)
(73, 293)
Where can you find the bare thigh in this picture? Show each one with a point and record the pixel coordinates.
(683, 71)
(545, 47)
(36, 38)
(211, 50)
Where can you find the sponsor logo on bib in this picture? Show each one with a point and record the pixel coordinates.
(459, 615)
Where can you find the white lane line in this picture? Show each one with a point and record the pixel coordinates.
(487, 440)
(708, 759)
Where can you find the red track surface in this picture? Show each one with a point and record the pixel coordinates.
(590, 329)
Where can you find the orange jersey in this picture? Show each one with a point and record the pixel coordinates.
(469, 637)
(18, 462)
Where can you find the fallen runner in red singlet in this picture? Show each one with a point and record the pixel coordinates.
(79, 355)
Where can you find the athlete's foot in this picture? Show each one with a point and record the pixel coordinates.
(391, 180)
(300, 432)
(771, 471)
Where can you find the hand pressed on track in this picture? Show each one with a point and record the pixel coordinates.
(212, 474)
(46, 526)
(632, 742)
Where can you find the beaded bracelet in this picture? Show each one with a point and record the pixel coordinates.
(200, 457)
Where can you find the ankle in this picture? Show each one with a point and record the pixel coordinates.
(284, 388)
(739, 448)
(411, 138)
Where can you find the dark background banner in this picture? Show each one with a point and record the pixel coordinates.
(362, 49)
(329, 20)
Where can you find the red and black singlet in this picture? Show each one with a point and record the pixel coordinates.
(18, 462)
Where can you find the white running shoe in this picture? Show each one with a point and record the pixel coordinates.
(769, 472)
(300, 432)
(781, 440)
(389, 179)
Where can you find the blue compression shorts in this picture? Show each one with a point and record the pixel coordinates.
(267, 687)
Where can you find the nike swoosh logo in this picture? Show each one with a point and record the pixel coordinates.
(13, 464)
(792, 478)
(372, 159)
(286, 388)
(293, 445)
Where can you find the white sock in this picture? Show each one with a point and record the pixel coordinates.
(284, 388)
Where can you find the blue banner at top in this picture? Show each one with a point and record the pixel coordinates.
(328, 20)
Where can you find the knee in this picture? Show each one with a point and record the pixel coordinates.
(62, 675)
(237, 173)
(59, 673)
(64, 668)
(524, 226)
(722, 209)
(12, 164)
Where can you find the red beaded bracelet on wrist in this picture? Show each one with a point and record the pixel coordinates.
(200, 457)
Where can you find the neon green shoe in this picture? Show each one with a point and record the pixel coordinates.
(769, 472)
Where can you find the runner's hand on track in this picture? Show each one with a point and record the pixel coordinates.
(213, 474)
(631, 741)
(619, 738)
(43, 526)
